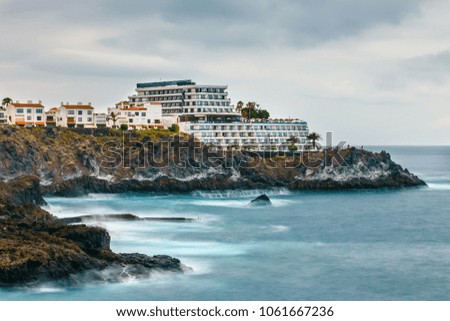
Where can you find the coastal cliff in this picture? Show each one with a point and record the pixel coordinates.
(75, 162)
(35, 247)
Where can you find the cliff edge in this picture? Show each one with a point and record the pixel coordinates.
(74, 162)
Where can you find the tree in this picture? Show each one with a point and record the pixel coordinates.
(239, 106)
(113, 117)
(250, 112)
(250, 108)
(174, 128)
(263, 114)
(124, 127)
(6, 101)
(314, 137)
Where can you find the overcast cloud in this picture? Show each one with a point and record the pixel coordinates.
(373, 72)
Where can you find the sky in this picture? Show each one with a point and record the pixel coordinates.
(371, 72)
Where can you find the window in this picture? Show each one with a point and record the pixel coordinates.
(80, 119)
(29, 111)
(39, 118)
(89, 112)
(144, 114)
(130, 120)
(71, 112)
(19, 111)
(136, 113)
(80, 112)
(39, 111)
(89, 119)
(28, 117)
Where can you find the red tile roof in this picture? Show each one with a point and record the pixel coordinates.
(133, 108)
(77, 106)
(27, 105)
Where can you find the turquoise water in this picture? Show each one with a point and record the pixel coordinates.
(360, 245)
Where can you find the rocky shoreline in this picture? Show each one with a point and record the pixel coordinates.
(36, 247)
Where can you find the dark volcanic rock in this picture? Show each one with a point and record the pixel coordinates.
(35, 247)
(162, 262)
(24, 189)
(262, 200)
(120, 217)
(76, 162)
(86, 237)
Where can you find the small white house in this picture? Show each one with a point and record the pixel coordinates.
(25, 114)
(72, 116)
(144, 116)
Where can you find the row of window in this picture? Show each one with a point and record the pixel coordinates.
(29, 110)
(149, 121)
(247, 141)
(179, 91)
(200, 110)
(189, 97)
(80, 112)
(248, 127)
(198, 103)
(253, 134)
(187, 103)
(136, 113)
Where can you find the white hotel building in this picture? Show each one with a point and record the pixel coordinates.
(206, 112)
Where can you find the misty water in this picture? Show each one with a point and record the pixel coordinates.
(354, 245)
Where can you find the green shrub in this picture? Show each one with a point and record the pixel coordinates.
(174, 128)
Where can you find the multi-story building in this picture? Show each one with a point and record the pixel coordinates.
(137, 116)
(206, 112)
(51, 116)
(79, 115)
(100, 120)
(26, 114)
(262, 134)
(184, 97)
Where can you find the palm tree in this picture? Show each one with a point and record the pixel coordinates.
(314, 137)
(239, 106)
(6, 101)
(113, 117)
(251, 107)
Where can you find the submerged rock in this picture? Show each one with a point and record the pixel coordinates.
(120, 217)
(262, 200)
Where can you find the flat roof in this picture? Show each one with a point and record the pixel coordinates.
(184, 82)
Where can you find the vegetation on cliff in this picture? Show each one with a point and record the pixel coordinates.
(72, 162)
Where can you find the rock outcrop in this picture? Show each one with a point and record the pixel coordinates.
(36, 247)
(76, 162)
(261, 200)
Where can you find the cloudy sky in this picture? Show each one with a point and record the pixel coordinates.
(372, 72)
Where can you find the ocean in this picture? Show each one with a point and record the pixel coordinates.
(352, 245)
